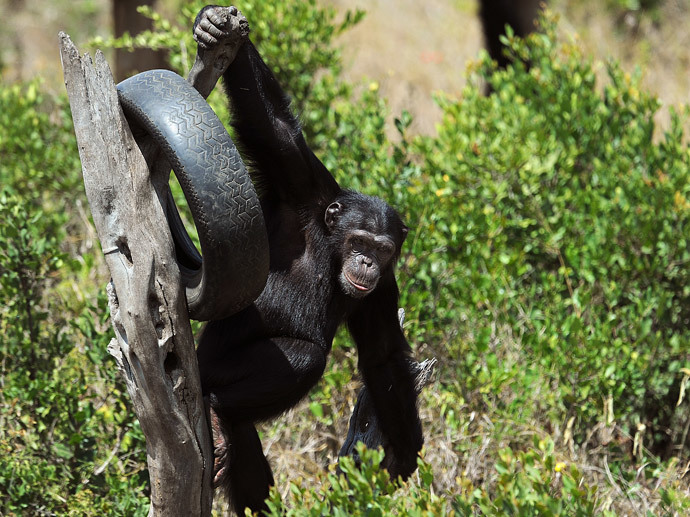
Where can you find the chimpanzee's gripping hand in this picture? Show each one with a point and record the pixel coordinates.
(219, 33)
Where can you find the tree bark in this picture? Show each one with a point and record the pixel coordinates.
(154, 346)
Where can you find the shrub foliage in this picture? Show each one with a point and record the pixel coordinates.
(546, 268)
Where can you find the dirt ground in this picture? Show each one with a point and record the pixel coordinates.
(414, 48)
(410, 48)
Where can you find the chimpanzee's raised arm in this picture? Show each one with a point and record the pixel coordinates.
(268, 133)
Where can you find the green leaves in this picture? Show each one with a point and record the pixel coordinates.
(546, 268)
(364, 490)
(564, 206)
(52, 434)
(532, 482)
(28, 122)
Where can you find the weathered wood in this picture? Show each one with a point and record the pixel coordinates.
(154, 346)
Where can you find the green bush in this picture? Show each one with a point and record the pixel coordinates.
(547, 259)
(366, 490)
(29, 167)
(57, 424)
(294, 38)
(562, 218)
(532, 482)
(546, 268)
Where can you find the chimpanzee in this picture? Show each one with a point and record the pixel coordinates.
(521, 15)
(332, 259)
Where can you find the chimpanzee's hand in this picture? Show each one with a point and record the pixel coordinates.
(216, 25)
(402, 466)
(219, 32)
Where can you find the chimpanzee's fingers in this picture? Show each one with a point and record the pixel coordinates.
(204, 38)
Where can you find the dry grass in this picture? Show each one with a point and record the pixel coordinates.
(300, 450)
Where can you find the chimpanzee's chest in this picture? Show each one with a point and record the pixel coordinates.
(302, 299)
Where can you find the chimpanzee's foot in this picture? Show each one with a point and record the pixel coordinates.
(219, 33)
(220, 449)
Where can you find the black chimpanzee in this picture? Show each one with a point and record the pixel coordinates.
(332, 258)
(521, 15)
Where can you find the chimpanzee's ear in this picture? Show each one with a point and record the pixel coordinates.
(405, 231)
(332, 213)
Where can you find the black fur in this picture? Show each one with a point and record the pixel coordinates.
(496, 14)
(258, 363)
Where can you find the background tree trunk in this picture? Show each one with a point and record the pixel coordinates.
(154, 346)
(127, 19)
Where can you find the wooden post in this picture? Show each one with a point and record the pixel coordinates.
(154, 346)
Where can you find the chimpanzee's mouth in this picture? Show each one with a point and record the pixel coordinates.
(358, 286)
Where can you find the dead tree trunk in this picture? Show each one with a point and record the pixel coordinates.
(154, 346)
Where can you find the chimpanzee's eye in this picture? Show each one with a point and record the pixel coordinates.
(384, 250)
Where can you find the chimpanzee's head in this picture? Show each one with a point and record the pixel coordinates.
(369, 235)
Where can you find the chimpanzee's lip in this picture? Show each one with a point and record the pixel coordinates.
(356, 285)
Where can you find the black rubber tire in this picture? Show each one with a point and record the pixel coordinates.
(232, 268)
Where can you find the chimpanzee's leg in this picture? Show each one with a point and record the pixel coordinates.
(257, 380)
(246, 383)
(246, 477)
